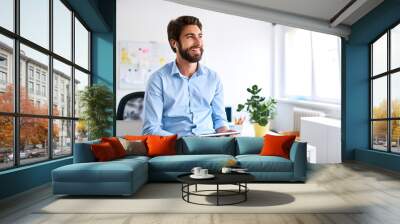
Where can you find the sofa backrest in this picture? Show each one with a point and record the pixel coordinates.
(190, 146)
(249, 145)
(207, 145)
(83, 152)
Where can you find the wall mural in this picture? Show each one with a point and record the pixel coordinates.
(138, 60)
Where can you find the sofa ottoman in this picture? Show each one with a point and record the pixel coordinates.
(119, 177)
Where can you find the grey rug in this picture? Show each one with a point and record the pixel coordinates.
(166, 198)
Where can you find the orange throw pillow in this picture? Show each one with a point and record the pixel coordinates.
(116, 145)
(136, 137)
(277, 145)
(161, 145)
(103, 151)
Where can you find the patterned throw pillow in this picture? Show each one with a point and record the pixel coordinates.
(134, 147)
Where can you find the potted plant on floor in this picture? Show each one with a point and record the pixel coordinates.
(260, 109)
(96, 102)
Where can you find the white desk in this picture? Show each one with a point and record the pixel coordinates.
(324, 134)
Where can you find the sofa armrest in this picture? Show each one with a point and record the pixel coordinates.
(298, 155)
(83, 152)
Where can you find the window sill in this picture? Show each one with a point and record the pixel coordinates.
(26, 167)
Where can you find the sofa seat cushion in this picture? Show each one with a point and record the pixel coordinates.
(112, 171)
(133, 158)
(257, 163)
(185, 163)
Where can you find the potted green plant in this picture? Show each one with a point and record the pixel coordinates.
(96, 103)
(260, 109)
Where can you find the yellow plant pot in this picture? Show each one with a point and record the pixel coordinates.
(260, 131)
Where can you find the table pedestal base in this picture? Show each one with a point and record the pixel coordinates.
(220, 193)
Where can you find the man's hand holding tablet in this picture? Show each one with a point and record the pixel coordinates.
(230, 133)
(222, 131)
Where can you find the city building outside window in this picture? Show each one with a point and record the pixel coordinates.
(37, 74)
(30, 72)
(3, 61)
(43, 90)
(43, 77)
(3, 72)
(38, 89)
(3, 78)
(30, 87)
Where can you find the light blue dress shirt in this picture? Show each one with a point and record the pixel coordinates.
(176, 104)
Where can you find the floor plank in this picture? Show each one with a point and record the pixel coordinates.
(377, 189)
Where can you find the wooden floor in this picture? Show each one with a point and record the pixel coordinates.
(378, 188)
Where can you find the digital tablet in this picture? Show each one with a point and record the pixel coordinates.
(220, 134)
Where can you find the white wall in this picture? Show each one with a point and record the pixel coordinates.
(237, 48)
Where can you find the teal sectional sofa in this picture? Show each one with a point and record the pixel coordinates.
(125, 176)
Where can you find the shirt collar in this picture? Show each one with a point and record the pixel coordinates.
(175, 70)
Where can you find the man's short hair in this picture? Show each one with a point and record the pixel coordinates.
(176, 26)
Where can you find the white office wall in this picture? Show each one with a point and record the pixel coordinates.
(237, 48)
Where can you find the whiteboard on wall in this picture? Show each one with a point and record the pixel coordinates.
(137, 60)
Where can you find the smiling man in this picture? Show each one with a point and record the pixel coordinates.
(184, 97)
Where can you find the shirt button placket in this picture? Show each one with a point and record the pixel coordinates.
(190, 107)
(189, 99)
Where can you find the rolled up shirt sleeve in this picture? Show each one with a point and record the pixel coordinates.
(218, 108)
(153, 108)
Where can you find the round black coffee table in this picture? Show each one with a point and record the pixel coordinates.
(238, 179)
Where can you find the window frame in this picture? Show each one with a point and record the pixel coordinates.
(388, 74)
(15, 72)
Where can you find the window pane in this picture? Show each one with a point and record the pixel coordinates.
(62, 138)
(297, 65)
(33, 139)
(395, 138)
(379, 98)
(379, 55)
(35, 21)
(62, 29)
(7, 14)
(34, 72)
(379, 135)
(6, 142)
(395, 94)
(62, 89)
(81, 45)
(6, 74)
(395, 47)
(81, 131)
(326, 62)
(81, 81)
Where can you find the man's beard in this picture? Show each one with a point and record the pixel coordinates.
(185, 53)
